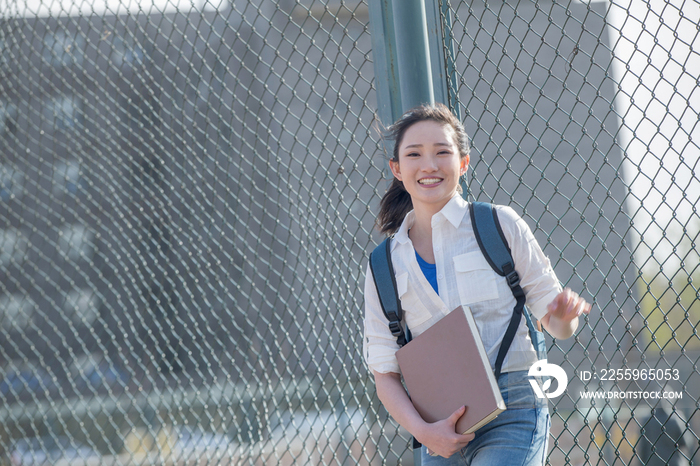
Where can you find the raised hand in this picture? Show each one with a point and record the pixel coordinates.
(568, 305)
(561, 320)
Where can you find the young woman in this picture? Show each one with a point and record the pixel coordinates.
(438, 266)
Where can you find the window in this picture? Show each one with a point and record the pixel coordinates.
(75, 242)
(68, 178)
(8, 118)
(15, 311)
(126, 50)
(81, 306)
(11, 182)
(64, 112)
(13, 246)
(4, 54)
(63, 49)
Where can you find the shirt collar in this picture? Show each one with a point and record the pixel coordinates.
(401, 235)
(453, 212)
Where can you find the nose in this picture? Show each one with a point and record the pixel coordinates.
(429, 163)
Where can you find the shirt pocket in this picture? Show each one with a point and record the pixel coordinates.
(414, 311)
(476, 280)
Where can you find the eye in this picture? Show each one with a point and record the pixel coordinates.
(412, 154)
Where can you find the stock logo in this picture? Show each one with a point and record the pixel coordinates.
(543, 369)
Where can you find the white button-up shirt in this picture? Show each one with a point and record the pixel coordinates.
(464, 278)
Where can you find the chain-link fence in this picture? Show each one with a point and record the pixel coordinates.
(584, 116)
(187, 198)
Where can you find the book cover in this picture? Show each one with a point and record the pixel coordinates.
(446, 367)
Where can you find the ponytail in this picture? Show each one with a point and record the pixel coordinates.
(393, 208)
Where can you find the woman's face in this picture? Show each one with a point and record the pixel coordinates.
(429, 164)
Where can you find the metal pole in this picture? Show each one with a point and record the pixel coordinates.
(438, 23)
(407, 48)
(413, 53)
(409, 64)
(386, 73)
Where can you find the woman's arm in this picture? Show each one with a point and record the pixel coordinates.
(439, 437)
(561, 320)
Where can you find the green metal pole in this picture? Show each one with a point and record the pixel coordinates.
(413, 53)
(386, 72)
(407, 49)
(404, 39)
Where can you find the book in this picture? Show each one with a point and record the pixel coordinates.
(446, 367)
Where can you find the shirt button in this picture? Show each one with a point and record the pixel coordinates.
(440, 276)
(437, 248)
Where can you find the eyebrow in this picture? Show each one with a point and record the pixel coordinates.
(421, 145)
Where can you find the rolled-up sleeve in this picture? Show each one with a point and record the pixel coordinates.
(378, 345)
(537, 277)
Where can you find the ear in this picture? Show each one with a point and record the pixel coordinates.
(395, 169)
(463, 165)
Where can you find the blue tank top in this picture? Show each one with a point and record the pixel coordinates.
(430, 272)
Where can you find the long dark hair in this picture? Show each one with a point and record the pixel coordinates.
(396, 203)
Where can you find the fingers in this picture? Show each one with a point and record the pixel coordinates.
(577, 304)
(460, 442)
(561, 301)
(568, 305)
(583, 307)
(450, 446)
(454, 417)
(443, 440)
(588, 309)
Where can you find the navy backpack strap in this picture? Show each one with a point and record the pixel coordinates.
(494, 246)
(385, 281)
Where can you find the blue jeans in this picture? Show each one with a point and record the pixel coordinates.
(517, 437)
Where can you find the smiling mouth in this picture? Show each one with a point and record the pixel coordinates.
(429, 180)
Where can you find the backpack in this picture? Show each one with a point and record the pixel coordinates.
(494, 247)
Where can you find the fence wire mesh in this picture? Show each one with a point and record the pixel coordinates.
(187, 198)
(584, 115)
(185, 215)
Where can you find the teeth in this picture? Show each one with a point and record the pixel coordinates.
(429, 180)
